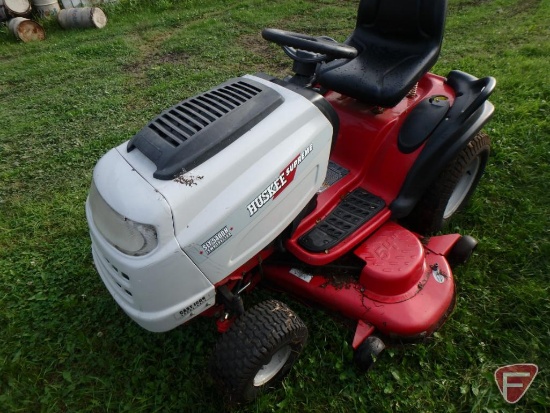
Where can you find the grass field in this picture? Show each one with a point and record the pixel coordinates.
(64, 344)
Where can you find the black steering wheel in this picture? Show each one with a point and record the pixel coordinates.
(323, 48)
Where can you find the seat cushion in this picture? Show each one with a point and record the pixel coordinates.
(397, 45)
(381, 74)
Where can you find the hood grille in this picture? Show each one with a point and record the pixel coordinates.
(195, 129)
(186, 119)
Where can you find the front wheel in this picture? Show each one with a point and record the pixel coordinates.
(258, 350)
(453, 188)
(368, 352)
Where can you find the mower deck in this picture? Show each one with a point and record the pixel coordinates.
(404, 290)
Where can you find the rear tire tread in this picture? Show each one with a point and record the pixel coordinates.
(428, 215)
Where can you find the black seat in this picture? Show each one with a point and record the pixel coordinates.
(398, 42)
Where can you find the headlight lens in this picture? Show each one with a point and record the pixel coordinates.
(130, 237)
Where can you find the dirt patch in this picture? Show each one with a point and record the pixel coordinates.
(523, 6)
(467, 3)
(257, 45)
(148, 45)
(171, 57)
(266, 57)
(339, 282)
(187, 180)
(148, 61)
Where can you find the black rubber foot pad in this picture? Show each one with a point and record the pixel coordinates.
(352, 212)
(335, 172)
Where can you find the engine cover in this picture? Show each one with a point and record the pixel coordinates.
(237, 198)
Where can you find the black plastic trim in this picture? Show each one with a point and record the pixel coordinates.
(469, 113)
(421, 122)
(192, 131)
(358, 207)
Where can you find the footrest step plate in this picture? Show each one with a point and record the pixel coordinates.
(357, 208)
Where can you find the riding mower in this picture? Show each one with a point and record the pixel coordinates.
(327, 185)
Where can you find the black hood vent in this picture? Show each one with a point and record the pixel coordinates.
(187, 134)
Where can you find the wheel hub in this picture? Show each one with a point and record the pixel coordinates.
(269, 370)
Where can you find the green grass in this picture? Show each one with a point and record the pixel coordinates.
(66, 346)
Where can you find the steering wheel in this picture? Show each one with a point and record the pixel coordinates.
(324, 47)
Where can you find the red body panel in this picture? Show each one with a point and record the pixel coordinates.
(367, 147)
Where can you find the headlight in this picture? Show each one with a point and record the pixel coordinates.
(130, 237)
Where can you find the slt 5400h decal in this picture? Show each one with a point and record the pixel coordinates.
(279, 184)
(216, 240)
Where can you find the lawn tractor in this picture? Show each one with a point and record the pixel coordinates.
(325, 185)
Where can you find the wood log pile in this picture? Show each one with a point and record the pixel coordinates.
(21, 16)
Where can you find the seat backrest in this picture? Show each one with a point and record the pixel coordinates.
(406, 19)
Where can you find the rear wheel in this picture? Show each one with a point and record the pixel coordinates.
(453, 189)
(258, 350)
